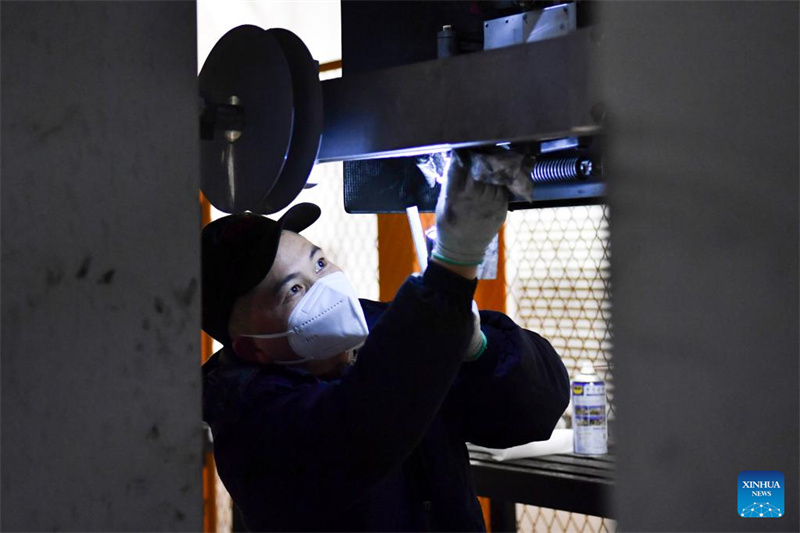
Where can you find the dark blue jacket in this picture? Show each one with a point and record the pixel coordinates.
(382, 447)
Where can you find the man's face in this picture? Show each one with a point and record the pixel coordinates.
(266, 308)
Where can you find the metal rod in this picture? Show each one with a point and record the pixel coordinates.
(331, 65)
(415, 223)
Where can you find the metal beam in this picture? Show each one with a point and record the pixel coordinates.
(526, 92)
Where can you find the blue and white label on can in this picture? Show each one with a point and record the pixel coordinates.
(589, 418)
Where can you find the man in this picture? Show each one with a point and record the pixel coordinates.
(310, 434)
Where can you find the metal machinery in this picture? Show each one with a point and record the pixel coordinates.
(418, 77)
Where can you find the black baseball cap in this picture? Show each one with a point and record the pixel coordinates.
(238, 252)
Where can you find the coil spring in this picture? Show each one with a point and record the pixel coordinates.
(561, 169)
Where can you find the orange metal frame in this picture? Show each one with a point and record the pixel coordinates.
(332, 65)
(209, 469)
(397, 260)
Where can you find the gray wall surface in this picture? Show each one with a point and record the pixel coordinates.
(702, 166)
(100, 267)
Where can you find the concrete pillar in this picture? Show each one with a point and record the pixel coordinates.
(100, 267)
(702, 166)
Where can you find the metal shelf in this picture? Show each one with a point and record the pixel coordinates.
(569, 482)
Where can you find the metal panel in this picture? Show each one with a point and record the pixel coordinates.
(555, 21)
(535, 91)
(552, 22)
(502, 32)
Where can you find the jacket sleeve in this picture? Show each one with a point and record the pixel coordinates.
(515, 392)
(323, 445)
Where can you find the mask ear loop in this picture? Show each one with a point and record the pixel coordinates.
(275, 336)
(291, 363)
(269, 335)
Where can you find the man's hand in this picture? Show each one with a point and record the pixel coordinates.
(468, 215)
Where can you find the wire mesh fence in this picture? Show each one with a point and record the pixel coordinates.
(557, 266)
(350, 241)
(532, 519)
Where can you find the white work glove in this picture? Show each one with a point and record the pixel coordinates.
(478, 343)
(468, 215)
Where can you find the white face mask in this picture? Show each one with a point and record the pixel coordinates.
(327, 321)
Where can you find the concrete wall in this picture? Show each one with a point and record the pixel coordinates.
(703, 178)
(100, 267)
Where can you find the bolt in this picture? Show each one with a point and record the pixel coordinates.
(232, 135)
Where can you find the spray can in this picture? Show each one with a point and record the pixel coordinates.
(589, 429)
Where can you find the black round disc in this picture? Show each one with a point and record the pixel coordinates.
(248, 63)
(307, 132)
